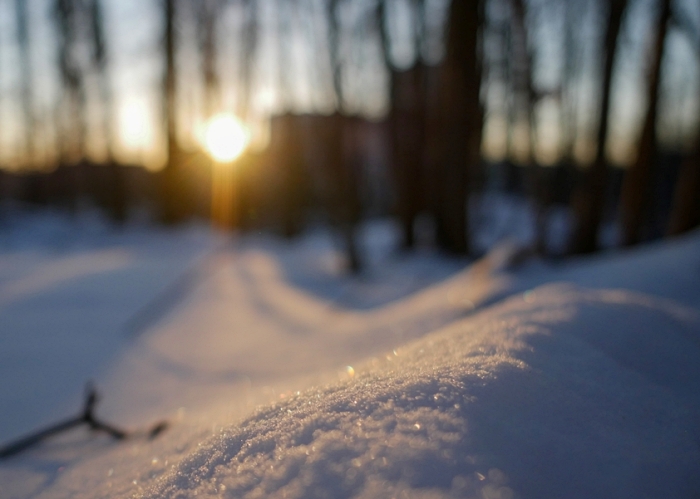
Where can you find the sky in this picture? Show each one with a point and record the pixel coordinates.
(135, 71)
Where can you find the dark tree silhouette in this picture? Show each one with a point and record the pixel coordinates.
(523, 91)
(66, 15)
(407, 122)
(636, 189)
(589, 198)
(208, 12)
(344, 203)
(23, 40)
(115, 192)
(685, 212)
(461, 124)
(248, 47)
(171, 194)
(571, 69)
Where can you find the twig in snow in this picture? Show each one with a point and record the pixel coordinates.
(86, 417)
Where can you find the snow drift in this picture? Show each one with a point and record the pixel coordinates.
(578, 381)
(561, 392)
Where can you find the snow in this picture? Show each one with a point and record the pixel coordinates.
(426, 377)
(68, 289)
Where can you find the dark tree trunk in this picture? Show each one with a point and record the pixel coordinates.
(334, 50)
(208, 11)
(117, 203)
(249, 44)
(345, 208)
(23, 40)
(71, 125)
(524, 88)
(407, 124)
(571, 68)
(71, 80)
(589, 199)
(287, 154)
(636, 187)
(171, 211)
(461, 124)
(685, 213)
(330, 150)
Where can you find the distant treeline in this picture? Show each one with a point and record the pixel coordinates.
(468, 68)
(284, 189)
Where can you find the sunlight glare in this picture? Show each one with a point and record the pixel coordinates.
(134, 125)
(226, 137)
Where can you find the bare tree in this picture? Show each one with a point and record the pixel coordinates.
(286, 152)
(23, 39)
(636, 189)
(170, 206)
(67, 17)
(685, 212)
(287, 11)
(115, 193)
(570, 72)
(524, 92)
(248, 44)
(407, 120)
(589, 199)
(334, 37)
(344, 205)
(100, 62)
(461, 123)
(208, 12)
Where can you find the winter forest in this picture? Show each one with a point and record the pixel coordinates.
(414, 109)
(349, 248)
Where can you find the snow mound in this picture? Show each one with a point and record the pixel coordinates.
(557, 392)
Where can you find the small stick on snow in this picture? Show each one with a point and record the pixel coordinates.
(86, 417)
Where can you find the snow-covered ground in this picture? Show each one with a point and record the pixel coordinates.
(425, 377)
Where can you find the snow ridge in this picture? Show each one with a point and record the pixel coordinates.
(505, 389)
(520, 398)
(367, 437)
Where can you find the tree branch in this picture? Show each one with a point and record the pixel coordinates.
(86, 417)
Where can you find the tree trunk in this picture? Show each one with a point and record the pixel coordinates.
(170, 211)
(407, 123)
(685, 213)
(208, 11)
(636, 187)
(23, 40)
(345, 208)
(462, 123)
(523, 87)
(116, 195)
(249, 44)
(589, 199)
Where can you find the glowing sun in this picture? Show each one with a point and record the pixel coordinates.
(225, 137)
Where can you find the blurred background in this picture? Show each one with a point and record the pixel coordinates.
(571, 124)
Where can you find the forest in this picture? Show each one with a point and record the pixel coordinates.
(415, 109)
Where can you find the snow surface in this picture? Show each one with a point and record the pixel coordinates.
(576, 380)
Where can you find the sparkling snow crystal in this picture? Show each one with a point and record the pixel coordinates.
(543, 396)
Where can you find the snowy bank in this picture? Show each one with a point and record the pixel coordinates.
(562, 392)
(578, 381)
